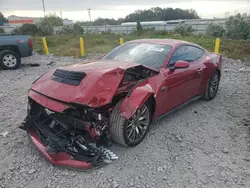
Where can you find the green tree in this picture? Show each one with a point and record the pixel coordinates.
(101, 21)
(26, 29)
(184, 29)
(152, 14)
(86, 23)
(2, 19)
(238, 27)
(46, 25)
(215, 30)
(77, 29)
(45, 29)
(104, 21)
(159, 14)
(139, 27)
(120, 20)
(53, 20)
(2, 30)
(72, 30)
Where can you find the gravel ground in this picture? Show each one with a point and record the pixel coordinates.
(205, 144)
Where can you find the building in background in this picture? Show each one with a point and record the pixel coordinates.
(199, 25)
(67, 22)
(18, 20)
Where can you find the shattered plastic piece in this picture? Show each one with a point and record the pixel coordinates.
(4, 134)
(51, 63)
(108, 154)
(34, 64)
(241, 69)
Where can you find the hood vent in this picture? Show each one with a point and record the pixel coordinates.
(68, 77)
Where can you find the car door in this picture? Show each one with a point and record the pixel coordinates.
(200, 68)
(180, 85)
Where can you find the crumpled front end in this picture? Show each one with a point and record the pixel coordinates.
(69, 138)
(68, 115)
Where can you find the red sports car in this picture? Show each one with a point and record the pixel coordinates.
(75, 111)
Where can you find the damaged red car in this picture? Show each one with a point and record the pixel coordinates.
(74, 112)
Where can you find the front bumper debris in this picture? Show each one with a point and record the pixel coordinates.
(60, 158)
(64, 146)
(66, 160)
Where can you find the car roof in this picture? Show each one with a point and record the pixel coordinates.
(171, 42)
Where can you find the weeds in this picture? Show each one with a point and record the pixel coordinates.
(69, 45)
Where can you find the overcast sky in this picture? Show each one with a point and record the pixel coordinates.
(77, 9)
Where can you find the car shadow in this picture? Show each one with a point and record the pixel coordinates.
(122, 150)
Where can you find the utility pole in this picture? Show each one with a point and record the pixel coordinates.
(89, 14)
(61, 14)
(43, 7)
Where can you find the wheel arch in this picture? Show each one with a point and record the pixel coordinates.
(219, 72)
(136, 99)
(152, 102)
(13, 48)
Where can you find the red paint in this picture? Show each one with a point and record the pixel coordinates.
(91, 130)
(30, 44)
(181, 84)
(103, 78)
(60, 159)
(46, 102)
(20, 21)
(97, 88)
(139, 96)
(181, 64)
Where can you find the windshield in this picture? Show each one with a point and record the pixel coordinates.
(151, 55)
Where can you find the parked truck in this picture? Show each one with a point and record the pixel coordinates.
(12, 49)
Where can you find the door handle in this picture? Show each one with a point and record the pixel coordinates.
(199, 70)
(163, 88)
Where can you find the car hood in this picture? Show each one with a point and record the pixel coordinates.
(100, 82)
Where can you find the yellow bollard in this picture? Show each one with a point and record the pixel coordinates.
(121, 41)
(217, 45)
(81, 47)
(45, 46)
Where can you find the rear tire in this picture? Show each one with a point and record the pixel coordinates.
(121, 128)
(9, 60)
(212, 87)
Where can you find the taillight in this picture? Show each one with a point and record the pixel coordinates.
(30, 43)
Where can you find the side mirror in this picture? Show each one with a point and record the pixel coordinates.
(180, 65)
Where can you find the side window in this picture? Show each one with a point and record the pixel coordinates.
(186, 53)
(200, 53)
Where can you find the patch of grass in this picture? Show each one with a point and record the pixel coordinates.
(236, 49)
(69, 45)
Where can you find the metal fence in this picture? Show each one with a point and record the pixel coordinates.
(120, 29)
(8, 29)
(126, 29)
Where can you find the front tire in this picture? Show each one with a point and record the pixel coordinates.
(212, 87)
(9, 60)
(130, 132)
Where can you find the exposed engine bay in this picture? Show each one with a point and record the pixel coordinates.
(81, 131)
